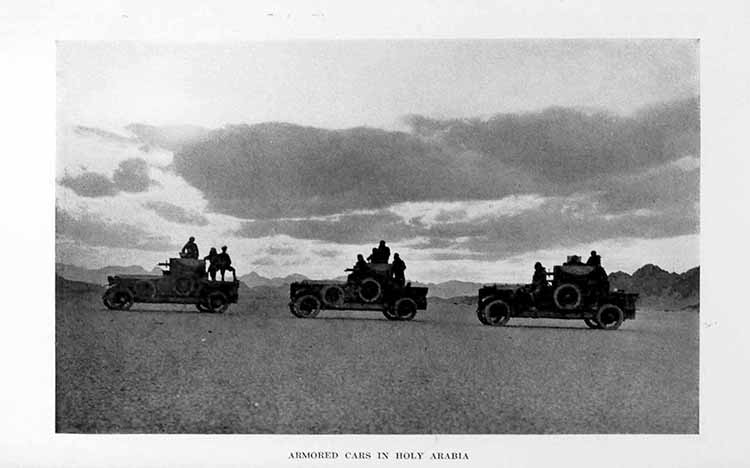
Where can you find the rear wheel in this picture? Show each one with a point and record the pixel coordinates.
(306, 306)
(480, 315)
(216, 302)
(610, 317)
(405, 308)
(118, 299)
(591, 323)
(496, 313)
(389, 313)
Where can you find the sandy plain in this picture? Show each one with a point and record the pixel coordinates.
(258, 369)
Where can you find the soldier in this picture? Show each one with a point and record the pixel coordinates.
(189, 250)
(212, 257)
(594, 259)
(359, 268)
(384, 253)
(224, 263)
(398, 270)
(373, 258)
(538, 282)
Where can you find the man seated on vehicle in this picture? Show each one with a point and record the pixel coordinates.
(359, 269)
(374, 256)
(224, 263)
(189, 250)
(398, 269)
(538, 282)
(594, 259)
(212, 258)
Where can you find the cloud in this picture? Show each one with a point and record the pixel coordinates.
(131, 175)
(89, 229)
(569, 146)
(176, 213)
(89, 184)
(283, 170)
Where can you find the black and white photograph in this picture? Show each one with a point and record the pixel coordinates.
(332, 233)
(378, 237)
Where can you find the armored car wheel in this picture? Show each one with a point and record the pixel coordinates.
(610, 317)
(216, 302)
(370, 290)
(480, 314)
(591, 323)
(405, 308)
(496, 313)
(567, 296)
(306, 306)
(118, 299)
(389, 313)
(202, 307)
(332, 295)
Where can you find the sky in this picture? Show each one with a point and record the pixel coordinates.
(473, 159)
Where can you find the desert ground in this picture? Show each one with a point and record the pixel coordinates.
(258, 369)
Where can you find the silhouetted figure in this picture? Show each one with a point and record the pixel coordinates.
(359, 269)
(373, 256)
(538, 282)
(398, 269)
(212, 258)
(381, 254)
(224, 263)
(594, 259)
(190, 250)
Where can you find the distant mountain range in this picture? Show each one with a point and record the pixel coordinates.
(657, 287)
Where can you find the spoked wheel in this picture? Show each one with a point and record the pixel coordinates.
(216, 302)
(118, 299)
(591, 323)
(496, 313)
(307, 306)
(610, 317)
(405, 308)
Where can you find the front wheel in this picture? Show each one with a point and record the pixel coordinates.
(496, 313)
(610, 317)
(118, 299)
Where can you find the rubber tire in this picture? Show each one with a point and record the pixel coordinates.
(410, 311)
(562, 287)
(144, 289)
(496, 322)
(620, 317)
(184, 292)
(297, 310)
(591, 323)
(370, 281)
(216, 302)
(480, 315)
(111, 294)
(339, 291)
(202, 307)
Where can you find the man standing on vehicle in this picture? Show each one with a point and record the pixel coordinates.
(383, 253)
(190, 250)
(398, 269)
(594, 259)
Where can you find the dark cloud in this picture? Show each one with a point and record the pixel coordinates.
(89, 184)
(569, 146)
(132, 175)
(176, 213)
(89, 229)
(283, 170)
